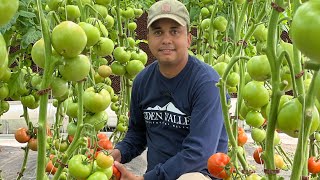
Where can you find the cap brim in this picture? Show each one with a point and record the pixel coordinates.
(178, 19)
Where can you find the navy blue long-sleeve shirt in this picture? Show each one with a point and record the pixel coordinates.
(179, 120)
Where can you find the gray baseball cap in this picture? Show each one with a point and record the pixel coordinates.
(172, 9)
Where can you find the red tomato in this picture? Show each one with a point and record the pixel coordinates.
(116, 173)
(219, 165)
(257, 155)
(50, 168)
(242, 138)
(104, 144)
(22, 135)
(33, 144)
(102, 136)
(313, 165)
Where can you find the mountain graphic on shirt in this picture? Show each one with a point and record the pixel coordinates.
(168, 107)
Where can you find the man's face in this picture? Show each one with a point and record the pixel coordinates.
(169, 41)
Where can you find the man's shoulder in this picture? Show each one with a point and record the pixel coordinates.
(203, 70)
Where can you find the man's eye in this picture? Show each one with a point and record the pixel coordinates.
(157, 32)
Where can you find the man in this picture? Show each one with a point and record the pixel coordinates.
(175, 107)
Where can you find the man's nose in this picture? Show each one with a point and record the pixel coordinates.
(167, 38)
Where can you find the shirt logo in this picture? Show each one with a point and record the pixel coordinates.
(167, 115)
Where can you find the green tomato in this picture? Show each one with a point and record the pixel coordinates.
(92, 33)
(3, 51)
(254, 119)
(107, 171)
(104, 47)
(98, 175)
(71, 128)
(59, 87)
(121, 55)
(96, 101)
(73, 12)
(132, 26)
(38, 53)
(109, 21)
(75, 69)
(260, 33)
(8, 9)
(258, 135)
(220, 23)
(140, 55)
(4, 91)
(79, 166)
(305, 29)
(97, 120)
(118, 69)
(233, 79)
(290, 117)
(68, 39)
(255, 94)
(133, 67)
(102, 10)
(55, 4)
(254, 68)
(71, 108)
(220, 67)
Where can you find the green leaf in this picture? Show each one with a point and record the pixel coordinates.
(30, 37)
(26, 14)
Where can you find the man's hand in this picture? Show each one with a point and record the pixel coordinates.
(125, 174)
(115, 153)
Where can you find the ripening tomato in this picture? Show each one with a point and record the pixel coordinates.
(103, 160)
(219, 165)
(21, 135)
(33, 144)
(8, 9)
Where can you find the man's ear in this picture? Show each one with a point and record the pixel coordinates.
(189, 38)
